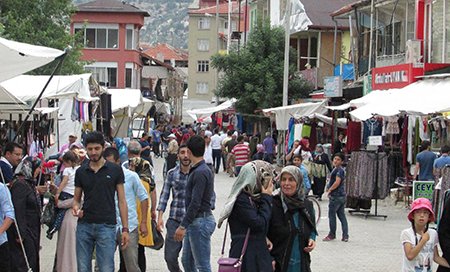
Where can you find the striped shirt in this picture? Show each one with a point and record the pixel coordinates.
(241, 152)
(176, 182)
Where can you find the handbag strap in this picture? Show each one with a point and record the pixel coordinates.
(244, 248)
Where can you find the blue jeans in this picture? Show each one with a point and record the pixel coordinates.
(172, 248)
(337, 206)
(100, 236)
(197, 245)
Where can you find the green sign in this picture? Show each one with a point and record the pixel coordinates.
(423, 189)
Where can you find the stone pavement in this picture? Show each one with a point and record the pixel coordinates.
(373, 246)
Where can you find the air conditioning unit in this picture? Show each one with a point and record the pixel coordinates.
(413, 52)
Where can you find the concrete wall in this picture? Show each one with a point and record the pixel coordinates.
(440, 49)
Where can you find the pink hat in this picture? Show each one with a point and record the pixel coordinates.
(421, 203)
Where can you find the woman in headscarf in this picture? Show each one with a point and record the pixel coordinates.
(145, 171)
(249, 208)
(27, 206)
(320, 167)
(292, 227)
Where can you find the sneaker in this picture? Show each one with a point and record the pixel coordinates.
(319, 199)
(328, 238)
(344, 239)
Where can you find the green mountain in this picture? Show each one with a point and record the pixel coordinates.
(168, 21)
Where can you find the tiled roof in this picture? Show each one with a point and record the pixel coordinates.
(223, 9)
(160, 63)
(167, 51)
(110, 6)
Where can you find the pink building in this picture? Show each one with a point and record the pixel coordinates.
(111, 36)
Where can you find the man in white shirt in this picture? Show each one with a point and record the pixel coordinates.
(208, 155)
(216, 144)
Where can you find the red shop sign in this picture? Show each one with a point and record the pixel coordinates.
(397, 76)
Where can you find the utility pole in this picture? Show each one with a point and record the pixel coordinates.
(287, 30)
(217, 48)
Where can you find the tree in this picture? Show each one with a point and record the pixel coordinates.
(254, 75)
(46, 23)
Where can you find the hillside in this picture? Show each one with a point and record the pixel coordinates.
(168, 21)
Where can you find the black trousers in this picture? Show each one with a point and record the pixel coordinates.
(4, 257)
(217, 156)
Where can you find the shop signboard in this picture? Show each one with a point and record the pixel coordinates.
(423, 189)
(332, 86)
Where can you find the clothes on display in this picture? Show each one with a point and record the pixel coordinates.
(80, 111)
(353, 136)
(392, 126)
(395, 168)
(372, 127)
(360, 179)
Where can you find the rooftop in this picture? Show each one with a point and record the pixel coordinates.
(319, 12)
(110, 6)
(223, 9)
(167, 51)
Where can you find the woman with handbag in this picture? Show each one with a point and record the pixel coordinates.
(248, 210)
(320, 168)
(292, 227)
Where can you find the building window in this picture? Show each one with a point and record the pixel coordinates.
(128, 77)
(203, 66)
(203, 23)
(104, 73)
(99, 36)
(202, 88)
(203, 45)
(130, 39)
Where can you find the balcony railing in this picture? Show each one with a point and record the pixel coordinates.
(389, 60)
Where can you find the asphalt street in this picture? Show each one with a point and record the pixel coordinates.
(374, 243)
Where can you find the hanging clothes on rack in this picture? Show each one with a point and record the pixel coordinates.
(353, 136)
(372, 127)
(361, 175)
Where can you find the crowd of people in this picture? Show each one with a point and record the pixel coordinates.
(105, 199)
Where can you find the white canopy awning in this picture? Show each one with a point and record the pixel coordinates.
(28, 88)
(341, 122)
(376, 95)
(129, 101)
(423, 97)
(18, 58)
(203, 113)
(283, 114)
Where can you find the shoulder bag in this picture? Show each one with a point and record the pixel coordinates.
(232, 264)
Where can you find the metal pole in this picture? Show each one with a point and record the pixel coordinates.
(239, 25)
(230, 6)
(61, 59)
(335, 42)
(245, 22)
(372, 6)
(217, 48)
(287, 19)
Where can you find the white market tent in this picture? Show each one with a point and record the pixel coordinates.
(18, 58)
(283, 114)
(127, 104)
(423, 97)
(200, 114)
(27, 88)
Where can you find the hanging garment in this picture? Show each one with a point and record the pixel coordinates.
(392, 125)
(298, 131)
(372, 127)
(361, 176)
(306, 131)
(353, 136)
(291, 132)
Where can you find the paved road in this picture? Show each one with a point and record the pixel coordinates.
(374, 243)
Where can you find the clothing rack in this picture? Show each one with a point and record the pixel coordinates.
(366, 213)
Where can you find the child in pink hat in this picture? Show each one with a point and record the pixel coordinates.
(419, 242)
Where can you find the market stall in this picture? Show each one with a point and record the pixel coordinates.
(126, 105)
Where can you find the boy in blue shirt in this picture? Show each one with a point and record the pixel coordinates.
(297, 160)
(337, 197)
